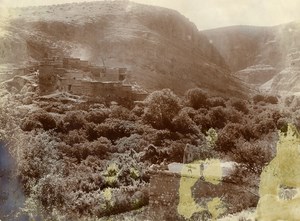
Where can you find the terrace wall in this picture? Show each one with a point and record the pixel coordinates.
(164, 196)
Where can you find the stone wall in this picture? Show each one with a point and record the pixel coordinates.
(163, 196)
(47, 79)
(139, 96)
(78, 77)
(166, 188)
(114, 91)
(111, 74)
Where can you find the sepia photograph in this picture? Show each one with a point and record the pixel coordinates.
(149, 110)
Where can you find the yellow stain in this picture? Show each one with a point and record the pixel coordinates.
(215, 207)
(111, 173)
(283, 170)
(190, 174)
(107, 194)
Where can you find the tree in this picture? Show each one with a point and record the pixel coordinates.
(258, 98)
(119, 112)
(282, 125)
(39, 119)
(239, 105)
(212, 137)
(114, 129)
(100, 148)
(216, 102)
(184, 124)
(254, 155)
(134, 142)
(196, 98)
(74, 137)
(75, 120)
(161, 107)
(217, 117)
(202, 119)
(228, 136)
(97, 116)
(265, 126)
(271, 99)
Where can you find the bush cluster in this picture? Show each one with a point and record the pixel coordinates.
(98, 147)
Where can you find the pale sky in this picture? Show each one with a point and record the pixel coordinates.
(208, 14)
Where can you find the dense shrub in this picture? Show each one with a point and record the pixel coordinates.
(74, 137)
(282, 125)
(258, 98)
(196, 98)
(51, 192)
(203, 120)
(56, 107)
(228, 137)
(161, 107)
(115, 129)
(271, 99)
(184, 124)
(81, 151)
(234, 116)
(138, 109)
(91, 131)
(248, 131)
(119, 112)
(265, 126)
(217, 117)
(216, 102)
(253, 155)
(37, 155)
(239, 105)
(97, 116)
(39, 119)
(134, 142)
(158, 137)
(30, 124)
(276, 115)
(97, 150)
(176, 150)
(74, 120)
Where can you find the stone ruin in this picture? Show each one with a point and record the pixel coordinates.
(78, 77)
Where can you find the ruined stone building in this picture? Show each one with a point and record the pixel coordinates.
(78, 77)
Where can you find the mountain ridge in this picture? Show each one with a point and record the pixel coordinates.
(267, 57)
(159, 46)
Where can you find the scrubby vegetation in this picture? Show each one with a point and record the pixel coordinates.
(87, 160)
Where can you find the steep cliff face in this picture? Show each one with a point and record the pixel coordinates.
(265, 56)
(287, 81)
(239, 45)
(160, 47)
(257, 74)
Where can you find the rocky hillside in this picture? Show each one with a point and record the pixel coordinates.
(159, 46)
(268, 57)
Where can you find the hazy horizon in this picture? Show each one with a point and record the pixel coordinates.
(210, 14)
